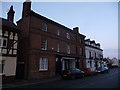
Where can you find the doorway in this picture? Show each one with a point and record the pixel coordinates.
(20, 70)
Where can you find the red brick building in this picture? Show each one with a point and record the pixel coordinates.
(47, 47)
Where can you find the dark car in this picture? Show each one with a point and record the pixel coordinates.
(72, 73)
(89, 71)
(103, 70)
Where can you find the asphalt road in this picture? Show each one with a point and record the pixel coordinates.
(106, 80)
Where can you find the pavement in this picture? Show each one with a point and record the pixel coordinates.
(19, 83)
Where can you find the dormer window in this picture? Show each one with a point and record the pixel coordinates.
(68, 36)
(44, 27)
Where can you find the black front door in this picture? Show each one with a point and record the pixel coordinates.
(58, 67)
(20, 70)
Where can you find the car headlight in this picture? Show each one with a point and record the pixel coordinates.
(98, 71)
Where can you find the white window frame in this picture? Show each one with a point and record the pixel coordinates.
(45, 45)
(2, 40)
(43, 64)
(44, 27)
(68, 35)
(68, 49)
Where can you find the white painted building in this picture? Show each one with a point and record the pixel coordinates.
(94, 54)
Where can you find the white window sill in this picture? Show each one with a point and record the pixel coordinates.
(44, 49)
(42, 70)
(2, 74)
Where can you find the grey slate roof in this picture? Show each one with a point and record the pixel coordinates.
(6, 23)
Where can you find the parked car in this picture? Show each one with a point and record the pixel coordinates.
(89, 71)
(103, 70)
(72, 73)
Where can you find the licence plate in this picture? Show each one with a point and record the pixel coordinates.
(65, 75)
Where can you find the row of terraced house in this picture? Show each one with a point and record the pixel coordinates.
(38, 47)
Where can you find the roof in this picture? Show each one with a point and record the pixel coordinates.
(98, 44)
(50, 21)
(93, 47)
(87, 39)
(92, 41)
(8, 24)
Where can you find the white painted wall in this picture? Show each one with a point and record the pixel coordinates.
(9, 66)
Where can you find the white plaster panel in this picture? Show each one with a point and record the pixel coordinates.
(15, 52)
(15, 46)
(4, 51)
(10, 66)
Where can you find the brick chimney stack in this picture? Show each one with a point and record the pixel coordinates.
(10, 14)
(76, 30)
(26, 8)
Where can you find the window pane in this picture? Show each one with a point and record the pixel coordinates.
(68, 49)
(58, 47)
(4, 42)
(44, 44)
(43, 64)
(58, 32)
(68, 36)
(44, 27)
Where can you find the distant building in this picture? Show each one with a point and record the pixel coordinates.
(47, 47)
(94, 54)
(8, 47)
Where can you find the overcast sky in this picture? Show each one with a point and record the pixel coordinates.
(96, 20)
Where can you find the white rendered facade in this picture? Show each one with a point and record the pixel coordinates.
(93, 54)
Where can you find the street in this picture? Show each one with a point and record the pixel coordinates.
(106, 80)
